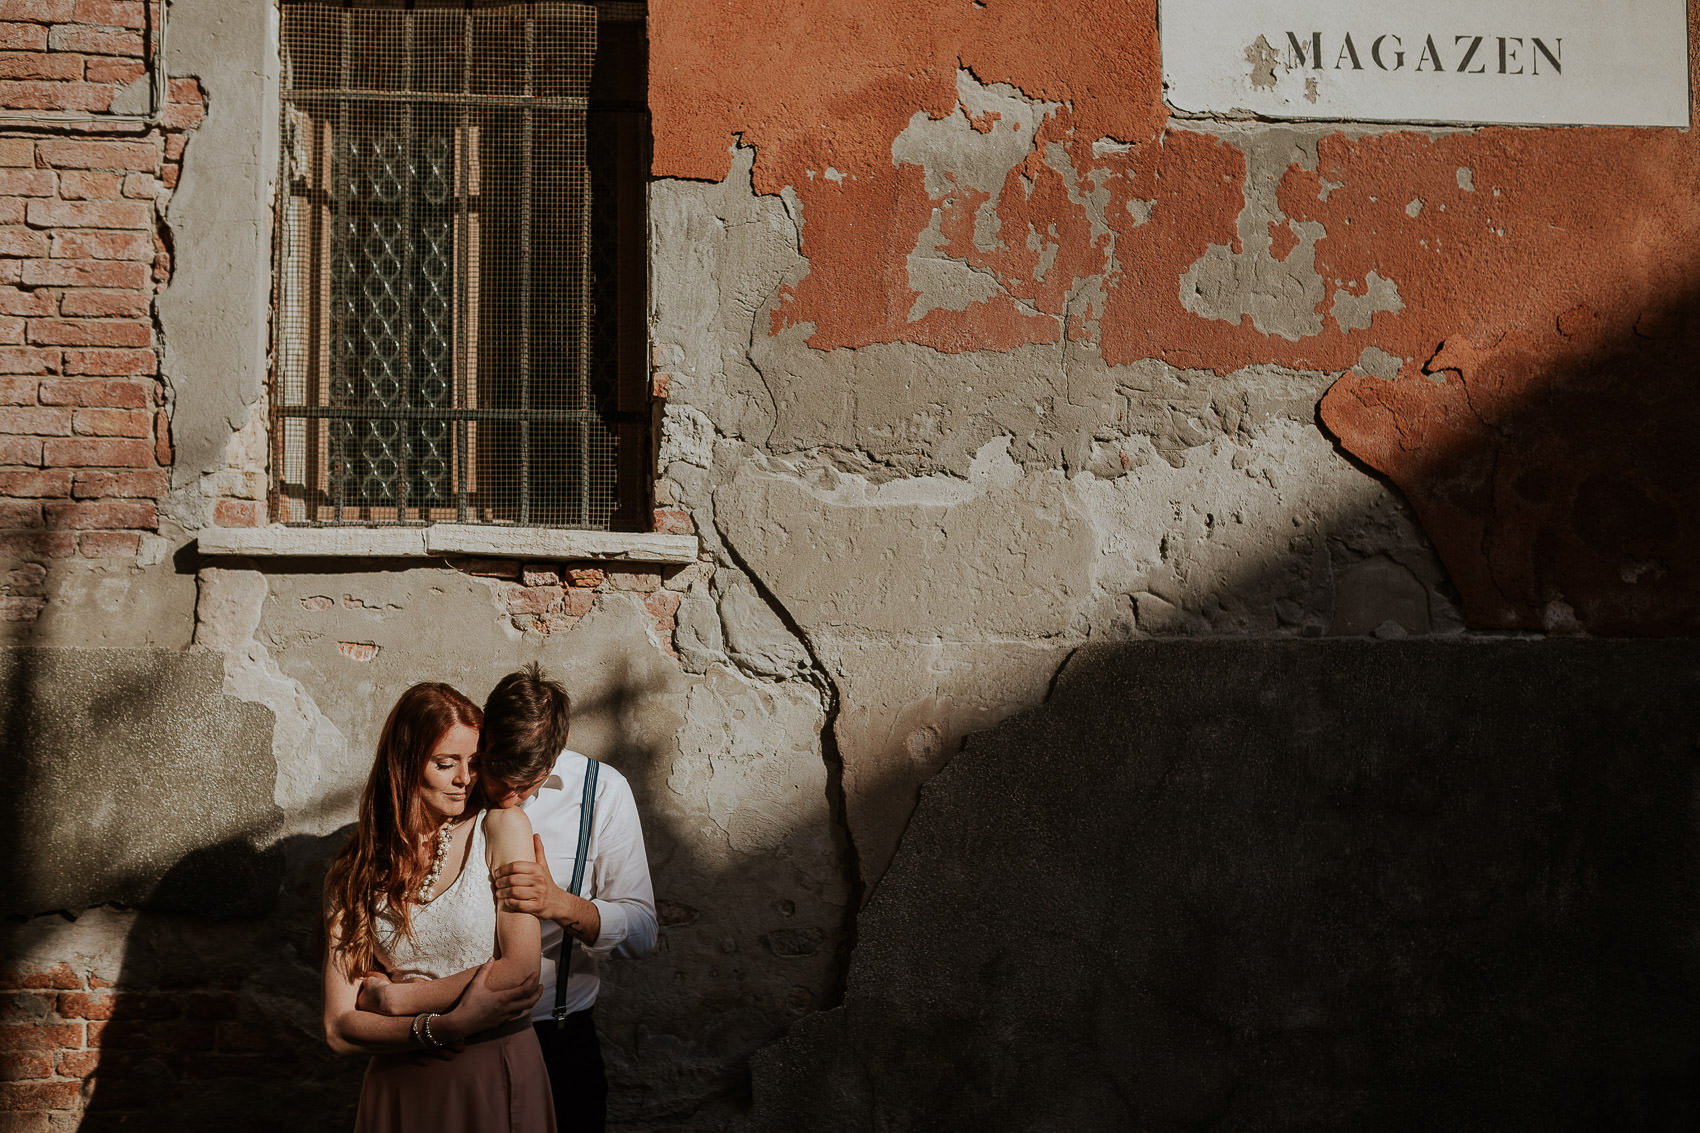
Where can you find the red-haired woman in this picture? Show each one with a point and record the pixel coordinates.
(408, 898)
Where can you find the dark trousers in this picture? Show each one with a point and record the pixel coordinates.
(576, 1075)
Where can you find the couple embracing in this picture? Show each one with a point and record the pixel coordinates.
(459, 954)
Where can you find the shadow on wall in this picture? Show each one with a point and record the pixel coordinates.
(1270, 885)
(1551, 468)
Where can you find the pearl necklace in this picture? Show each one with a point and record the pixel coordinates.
(442, 855)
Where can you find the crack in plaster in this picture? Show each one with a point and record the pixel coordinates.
(308, 747)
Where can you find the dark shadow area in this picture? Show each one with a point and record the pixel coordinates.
(214, 1022)
(1289, 885)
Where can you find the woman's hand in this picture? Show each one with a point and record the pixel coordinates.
(377, 995)
(482, 1007)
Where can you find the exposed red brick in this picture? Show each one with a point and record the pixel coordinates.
(84, 1005)
(104, 515)
(90, 185)
(110, 13)
(104, 304)
(20, 450)
(238, 513)
(491, 568)
(662, 603)
(89, 332)
(149, 484)
(23, 37)
(17, 1065)
(91, 244)
(78, 1063)
(53, 483)
(28, 182)
(29, 574)
(126, 156)
(112, 423)
(536, 576)
(576, 602)
(182, 115)
(141, 186)
(39, 65)
(11, 331)
(19, 241)
(109, 545)
(28, 360)
(34, 304)
(117, 363)
(11, 212)
(26, 1006)
(621, 577)
(168, 176)
(27, 94)
(88, 214)
(21, 513)
(96, 392)
(586, 577)
(24, 608)
(17, 151)
(673, 521)
(40, 11)
(93, 41)
(19, 391)
(36, 420)
(38, 1095)
(119, 71)
(85, 273)
(532, 599)
(96, 452)
(41, 1036)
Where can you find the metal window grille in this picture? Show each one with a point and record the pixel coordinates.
(437, 295)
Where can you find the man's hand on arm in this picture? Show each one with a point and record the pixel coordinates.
(529, 887)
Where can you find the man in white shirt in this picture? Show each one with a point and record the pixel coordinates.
(524, 761)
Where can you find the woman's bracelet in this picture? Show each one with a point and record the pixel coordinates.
(422, 1031)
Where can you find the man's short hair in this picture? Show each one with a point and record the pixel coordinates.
(526, 720)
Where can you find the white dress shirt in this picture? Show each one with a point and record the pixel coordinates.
(616, 874)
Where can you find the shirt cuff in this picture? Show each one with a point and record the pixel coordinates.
(614, 925)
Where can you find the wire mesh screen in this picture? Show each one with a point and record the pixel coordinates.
(436, 294)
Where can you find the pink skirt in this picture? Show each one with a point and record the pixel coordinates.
(498, 1083)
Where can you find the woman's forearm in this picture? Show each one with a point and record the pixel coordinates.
(367, 1032)
(410, 997)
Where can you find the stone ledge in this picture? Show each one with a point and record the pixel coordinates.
(447, 539)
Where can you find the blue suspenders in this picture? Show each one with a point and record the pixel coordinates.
(564, 956)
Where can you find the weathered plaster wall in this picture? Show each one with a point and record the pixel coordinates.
(1478, 301)
(974, 357)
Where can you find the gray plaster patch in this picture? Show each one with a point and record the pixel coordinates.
(1466, 179)
(1378, 363)
(1357, 312)
(988, 133)
(128, 765)
(1281, 297)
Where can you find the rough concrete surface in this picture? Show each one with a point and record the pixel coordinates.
(1264, 885)
(123, 763)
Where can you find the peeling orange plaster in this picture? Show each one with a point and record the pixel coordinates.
(1547, 327)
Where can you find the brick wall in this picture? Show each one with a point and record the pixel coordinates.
(85, 443)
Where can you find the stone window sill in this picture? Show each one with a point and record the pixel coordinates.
(441, 539)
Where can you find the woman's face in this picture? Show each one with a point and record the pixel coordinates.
(450, 770)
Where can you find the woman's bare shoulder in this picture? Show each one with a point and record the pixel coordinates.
(507, 833)
(506, 820)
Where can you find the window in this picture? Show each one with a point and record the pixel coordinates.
(460, 330)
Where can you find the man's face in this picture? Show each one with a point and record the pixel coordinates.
(503, 794)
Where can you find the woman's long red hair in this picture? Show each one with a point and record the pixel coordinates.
(376, 876)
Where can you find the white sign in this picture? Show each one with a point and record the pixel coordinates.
(1583, 62)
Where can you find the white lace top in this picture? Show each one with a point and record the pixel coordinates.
(456, 931)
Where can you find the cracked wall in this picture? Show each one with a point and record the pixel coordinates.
(974, 357)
